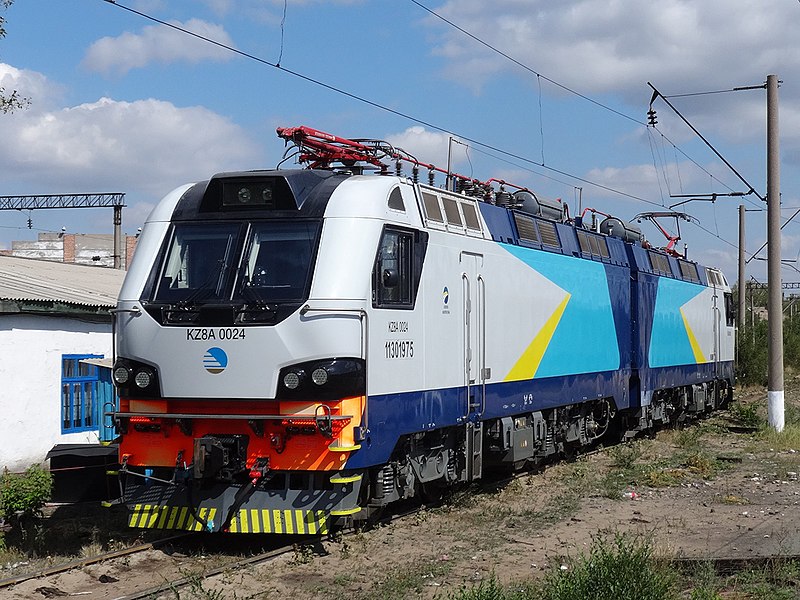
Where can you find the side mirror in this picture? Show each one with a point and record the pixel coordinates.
(390, 278)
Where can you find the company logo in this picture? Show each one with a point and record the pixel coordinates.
(445, 295)
(215, 360)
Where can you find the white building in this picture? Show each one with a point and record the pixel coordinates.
(54, 328)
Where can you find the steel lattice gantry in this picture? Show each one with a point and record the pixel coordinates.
(40, 201)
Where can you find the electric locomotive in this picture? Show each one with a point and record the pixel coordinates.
(296, 346)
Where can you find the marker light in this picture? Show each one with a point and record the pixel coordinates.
(121, 375)
(143, 378)
(291, 380)
(319, 376)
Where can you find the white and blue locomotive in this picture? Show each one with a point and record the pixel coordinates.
(294, 346)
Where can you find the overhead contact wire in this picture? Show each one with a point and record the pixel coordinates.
(380, 106)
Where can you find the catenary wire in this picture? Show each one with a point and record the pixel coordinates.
(375, 104)
(568, 89)
(526, 67)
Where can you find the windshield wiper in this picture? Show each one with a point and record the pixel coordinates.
(187, 310)
(255, 308)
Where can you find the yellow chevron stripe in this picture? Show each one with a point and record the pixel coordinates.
(266, 521)
(164, 512)
(346, 479)
(134, 516)
(528, 363)
(182, 520)
(255, 523)
(699, 357)
(289, 520)
(144, 515)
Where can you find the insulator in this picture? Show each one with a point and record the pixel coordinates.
(398, 168)
(415, 173)
(431, 176)
(30, 223)
(503, 198)
(651, 117)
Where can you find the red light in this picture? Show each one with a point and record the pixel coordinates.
(147, 420)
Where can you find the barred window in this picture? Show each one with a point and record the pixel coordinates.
(79, 406)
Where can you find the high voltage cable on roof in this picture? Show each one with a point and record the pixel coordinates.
(378, 105)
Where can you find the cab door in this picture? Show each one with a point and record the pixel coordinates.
(474, 357)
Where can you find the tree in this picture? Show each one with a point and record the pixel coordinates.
(9, 102)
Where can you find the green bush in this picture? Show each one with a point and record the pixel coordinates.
(24, 493)
(613, 570)
(622, 568)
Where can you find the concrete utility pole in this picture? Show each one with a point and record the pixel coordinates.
(742, 284)
(775, 396)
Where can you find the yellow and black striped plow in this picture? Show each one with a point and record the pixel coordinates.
(280, 521)
(153, 516)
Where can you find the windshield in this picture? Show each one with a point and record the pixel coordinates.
(277, 263)
(262, 263)
(198, 263)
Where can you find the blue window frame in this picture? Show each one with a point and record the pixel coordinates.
(79, 402)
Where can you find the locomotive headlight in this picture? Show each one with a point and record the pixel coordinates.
(244, 195)
(143, 378)
(319, 376)
(121, 375)
(322, 379)
(291, 380)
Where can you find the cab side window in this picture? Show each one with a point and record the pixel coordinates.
(398, 264)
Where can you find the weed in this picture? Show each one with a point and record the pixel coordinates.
(621, 568)
(689, 438)
(196, 589)
(624, 456)
(703, 593)
(303, 554)
(700, 464)
(489, 589)
(402, 582)
(734, 499)
(788, 439)
(746, 414)
(664, 477)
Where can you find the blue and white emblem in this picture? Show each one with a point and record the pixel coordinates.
(215, 360)
(445, 295)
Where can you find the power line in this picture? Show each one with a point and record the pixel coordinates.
(526, 67)
(539, 77)
(382, 107)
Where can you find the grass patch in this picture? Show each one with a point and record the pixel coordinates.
(622, 567)
(746, 414)
(404, 581)
(777, 580)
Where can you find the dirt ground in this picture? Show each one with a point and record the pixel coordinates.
(710, 493)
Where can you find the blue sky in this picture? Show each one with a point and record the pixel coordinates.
(122, 104)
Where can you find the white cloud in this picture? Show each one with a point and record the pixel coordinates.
(144, 148)
(430, 147)
(614, 47)
(146, 145)
(29, 84)
(605, 45)
(157, 44)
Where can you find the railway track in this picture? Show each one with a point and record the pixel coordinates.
(180, 580)
(84, 562)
